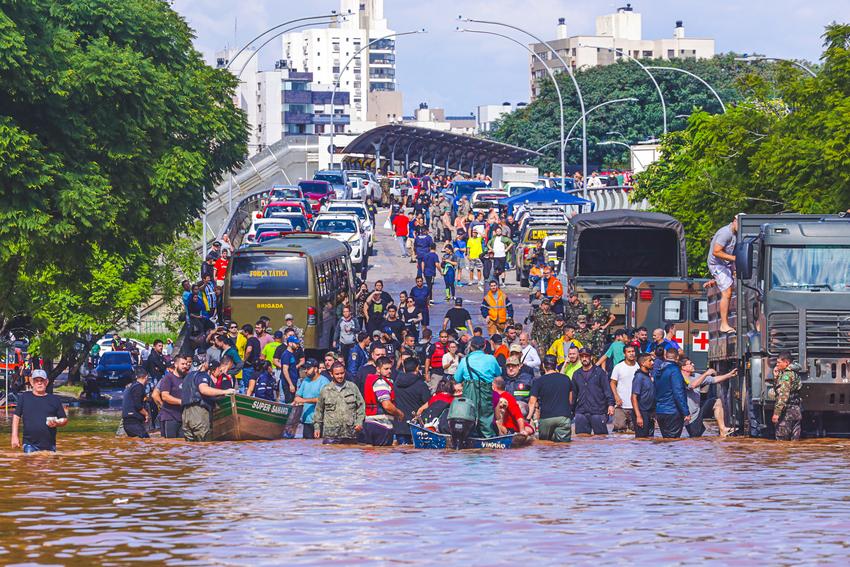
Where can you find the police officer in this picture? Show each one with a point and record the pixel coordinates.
(787, 413)
(133, 412)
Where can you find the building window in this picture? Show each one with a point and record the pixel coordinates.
(335, 47)
(647, 54)
(671, 53)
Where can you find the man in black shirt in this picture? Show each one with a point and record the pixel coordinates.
(393, 322)
(155, 364)
(553, 394)
(458, 319)
(41, 413)
(133, 409)
(253, 349)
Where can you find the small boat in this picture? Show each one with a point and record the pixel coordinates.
(427, 439)
(241, 418)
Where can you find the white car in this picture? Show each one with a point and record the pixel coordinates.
(359, 209)
(363, 184)
(488, 196)
(518, 188)
(280, 223)
(345, 227)
(106, 343)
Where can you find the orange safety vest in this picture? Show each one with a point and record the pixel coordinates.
(554, 288)
(498, 306)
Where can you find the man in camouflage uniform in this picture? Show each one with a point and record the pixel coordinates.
(584, 333)
(573, 308)
(597, 339)
(600, 314)
(340, 410)
(385, 189)
(543, 326)
(787, 413)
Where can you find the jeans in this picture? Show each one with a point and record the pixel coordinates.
(33, 449)
(402, 243)
(247, 374)
(648, 429)
(135, 428)
(450, 287)
(591, 423)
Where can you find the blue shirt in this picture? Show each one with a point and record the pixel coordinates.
(265, 386)
(478, 366)
(644, 389)
(311, 389)
(429, 264)
(290, 360)
(459, 247)
(670, 396)
(420, 296)
(356, 359)
(422, 244)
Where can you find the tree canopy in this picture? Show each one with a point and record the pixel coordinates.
(538, 123)
(111, 128)
(785, 148)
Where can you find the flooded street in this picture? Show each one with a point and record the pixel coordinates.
(108, 501)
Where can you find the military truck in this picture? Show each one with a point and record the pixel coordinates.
(791, 293)
(607, 248)
(656, 302)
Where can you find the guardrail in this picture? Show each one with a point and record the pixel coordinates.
(608, 198)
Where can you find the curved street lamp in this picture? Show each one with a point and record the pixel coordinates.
(569, 72)
(275, 36)
(591, 109)
(698, 78)
(753, 58)
(625, 145)
(339, 76)
(622, 53)
(563, 140)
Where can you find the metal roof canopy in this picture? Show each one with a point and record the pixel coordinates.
(434, 149)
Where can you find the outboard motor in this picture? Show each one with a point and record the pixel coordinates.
(462, 419)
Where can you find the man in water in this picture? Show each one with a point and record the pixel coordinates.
(787, 413)
(133, 413)
(594, 400)
(199, 396)
(340, 410)
(476, 373)
(41, 413)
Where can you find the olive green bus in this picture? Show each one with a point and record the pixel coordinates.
(304, 274)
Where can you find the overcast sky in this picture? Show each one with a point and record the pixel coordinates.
(460, 71)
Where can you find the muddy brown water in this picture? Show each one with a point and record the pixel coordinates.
(108, 501)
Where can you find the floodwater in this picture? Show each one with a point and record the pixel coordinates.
(108, 501)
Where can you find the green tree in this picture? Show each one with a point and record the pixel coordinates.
(782, 149)
(538, 123)
(111, 127)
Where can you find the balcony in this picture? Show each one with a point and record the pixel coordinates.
(324, 97)
(296, 76)
(326, 119)
(298, 97)
(297, 118)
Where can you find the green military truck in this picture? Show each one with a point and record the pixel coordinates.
(656, 302)
(791, 293)
(606, 249)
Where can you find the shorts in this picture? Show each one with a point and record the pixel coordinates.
(723, 277)
(475, 264)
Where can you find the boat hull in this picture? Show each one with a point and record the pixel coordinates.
(244, 418)
(427, 439)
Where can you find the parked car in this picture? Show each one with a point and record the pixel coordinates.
(338, 180)
(316, 193)
(274, 208)
(363, 184)
(115, 367)
(277, 222)
(346, 227)
(359, 209)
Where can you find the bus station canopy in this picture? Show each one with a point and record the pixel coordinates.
(423, 148)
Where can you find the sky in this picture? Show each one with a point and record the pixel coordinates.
(459, 71)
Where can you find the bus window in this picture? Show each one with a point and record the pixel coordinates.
(700, 311)
(674, 310)
(262, 275)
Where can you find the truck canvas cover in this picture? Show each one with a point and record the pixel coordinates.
(635, 243)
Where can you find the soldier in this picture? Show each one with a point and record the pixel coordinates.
(543, 326)
(597, 339)
(600, 314)
(584, 334)
(787, 413)
(340, 410)
(574, 308)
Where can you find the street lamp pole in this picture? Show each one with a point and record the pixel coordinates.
(754, 58)
(622, 53)
(628, 147)
(339, 76)
(698, 78)
(575, 124)
(275, 36)
(569, 72)
(551, 73)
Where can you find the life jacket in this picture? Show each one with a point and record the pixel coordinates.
(372, 405)
(498, 306)
(189, 393)
(437, 356)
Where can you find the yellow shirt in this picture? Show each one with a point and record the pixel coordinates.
(241, 345)
(558, 349)
(268, 352)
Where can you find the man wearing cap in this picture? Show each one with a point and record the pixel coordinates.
(358, 356)
(289, 369)
(476, 373)
(584, 334)
(270, 351)
(41, 413)
(133, 412)
(594, 401)
(517, 379)
(574, 308)
(289, 321)
(553, 394)
(458, 319)
(543, 326)
(496, 308)
(308, 394)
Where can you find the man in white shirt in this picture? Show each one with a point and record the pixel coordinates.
(529, 356)
(621, 385)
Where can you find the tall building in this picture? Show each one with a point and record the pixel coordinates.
(621, 30)
(325, 51)
(489, 113)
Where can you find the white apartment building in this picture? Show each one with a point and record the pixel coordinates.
(621, 30)
(489, 113)
(325, 51)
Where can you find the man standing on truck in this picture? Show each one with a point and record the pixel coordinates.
(787, 412)
(721, 264)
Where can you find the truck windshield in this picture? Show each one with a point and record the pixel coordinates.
(823, 268)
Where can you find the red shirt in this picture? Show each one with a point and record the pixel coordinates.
(221, 268)
(401, 223)
(514, 414)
